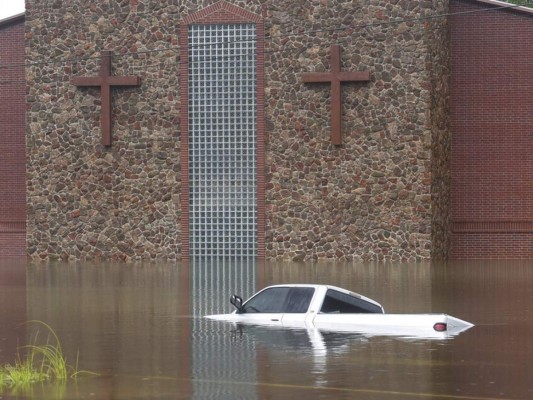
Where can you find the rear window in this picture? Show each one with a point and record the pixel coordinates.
(342, 303)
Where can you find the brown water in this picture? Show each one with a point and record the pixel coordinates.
(140, 327)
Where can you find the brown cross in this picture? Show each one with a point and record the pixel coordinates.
(336, 76)
(105, 81)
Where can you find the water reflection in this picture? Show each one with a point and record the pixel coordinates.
(216, 357)
(124, 320)
(12, 308)
(141, 328)
(496, 360)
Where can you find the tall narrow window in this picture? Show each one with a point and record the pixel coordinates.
(222, 136)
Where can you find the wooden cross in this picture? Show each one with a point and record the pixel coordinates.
(335, 77)
(105, 81)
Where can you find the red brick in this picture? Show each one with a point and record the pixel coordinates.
(492, 132)
(12, 142)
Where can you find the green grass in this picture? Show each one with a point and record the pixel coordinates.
(22, 373)
(41, 362)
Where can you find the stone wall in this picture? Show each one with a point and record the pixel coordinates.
(438, 62)
(371, 198)
(368, 199)
(86, 200)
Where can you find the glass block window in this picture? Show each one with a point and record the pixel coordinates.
(222, 140)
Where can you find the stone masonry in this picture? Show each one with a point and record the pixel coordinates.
(370, 198)
(381, 195)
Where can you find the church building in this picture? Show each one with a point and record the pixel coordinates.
(279, 130)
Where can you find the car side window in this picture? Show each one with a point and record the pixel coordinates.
(268, 301)
(337, 302)
(281, 300)
(299, 299)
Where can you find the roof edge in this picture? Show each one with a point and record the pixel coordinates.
(13, 19)
(511, 6)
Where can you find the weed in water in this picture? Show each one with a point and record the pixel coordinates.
(43, 362)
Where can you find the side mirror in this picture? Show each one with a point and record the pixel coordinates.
(236, 301)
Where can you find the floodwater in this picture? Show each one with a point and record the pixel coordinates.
(140, 328)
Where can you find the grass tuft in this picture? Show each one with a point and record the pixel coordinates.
(44, 362)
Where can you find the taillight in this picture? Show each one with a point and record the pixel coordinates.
(440, 327)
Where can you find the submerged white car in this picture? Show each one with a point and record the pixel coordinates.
(330, 308)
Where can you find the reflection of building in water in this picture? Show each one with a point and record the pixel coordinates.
(143, 326)
(218, 352)
(12, 308)
(128, 323)
(496, 356)
(142, 329)
(213, 281)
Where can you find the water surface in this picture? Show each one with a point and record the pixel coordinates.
(140, 327)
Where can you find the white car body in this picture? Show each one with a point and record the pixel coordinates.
(371, 321)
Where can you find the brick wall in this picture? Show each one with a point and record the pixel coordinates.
(12, 144)
(492, 132)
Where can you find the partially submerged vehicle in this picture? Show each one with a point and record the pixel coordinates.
(330, 308)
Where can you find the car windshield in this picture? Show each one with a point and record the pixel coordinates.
(338, 302)
(280, 300)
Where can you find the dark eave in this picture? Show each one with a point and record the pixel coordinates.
(14, 19)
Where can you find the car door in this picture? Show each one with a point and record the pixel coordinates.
(266, 307)
(296, 305)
